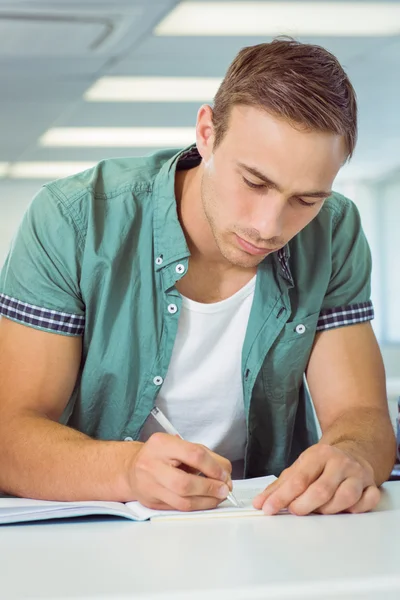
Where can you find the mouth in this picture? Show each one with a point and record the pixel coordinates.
(251, 249)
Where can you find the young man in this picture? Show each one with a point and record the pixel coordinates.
(207, 281)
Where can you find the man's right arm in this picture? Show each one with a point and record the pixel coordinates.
(41, 458)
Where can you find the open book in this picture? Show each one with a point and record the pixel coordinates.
(16, 510)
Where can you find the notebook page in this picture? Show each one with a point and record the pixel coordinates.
(13, 510)
(244, 489)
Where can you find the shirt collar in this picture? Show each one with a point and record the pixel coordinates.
(169, 240)
(283, 256)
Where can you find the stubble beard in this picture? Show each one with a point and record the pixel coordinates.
(238, 258)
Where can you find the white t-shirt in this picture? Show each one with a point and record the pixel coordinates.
(202, 393)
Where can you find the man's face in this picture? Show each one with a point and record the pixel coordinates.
(259, 187)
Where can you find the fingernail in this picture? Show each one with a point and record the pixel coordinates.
(268, 509)
(226, 476)
(223, 491)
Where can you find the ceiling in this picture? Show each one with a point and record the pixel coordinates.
(51, 52)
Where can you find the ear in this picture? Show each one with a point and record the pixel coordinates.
(205, 132)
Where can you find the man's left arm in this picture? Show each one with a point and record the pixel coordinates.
(356, 452)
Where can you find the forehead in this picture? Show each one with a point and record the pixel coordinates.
(274, 146)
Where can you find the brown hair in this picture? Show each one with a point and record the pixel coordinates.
(302, 83)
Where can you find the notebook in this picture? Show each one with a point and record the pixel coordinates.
(17, 510)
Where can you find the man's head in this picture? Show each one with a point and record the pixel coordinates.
(284, 121)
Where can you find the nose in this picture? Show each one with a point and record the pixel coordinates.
(268, 216)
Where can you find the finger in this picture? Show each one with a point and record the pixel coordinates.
(165, 499)
(175, 451)
(368, 501)
(308, 467)
(224, 462)
(294, 480)
(188, 485)
(188, 503)
(347, 493)
(259, 500)
(321, 491)
(286, 493)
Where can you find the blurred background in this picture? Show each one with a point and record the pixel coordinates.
(90, 79)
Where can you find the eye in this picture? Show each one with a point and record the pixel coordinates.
(253, 186)
(304, 203)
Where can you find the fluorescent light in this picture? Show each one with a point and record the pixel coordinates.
(276, 18)
(153, 89)
(108, 137)
(46, 170)
(4, 168)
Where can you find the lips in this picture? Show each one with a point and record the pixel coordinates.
(251, 249)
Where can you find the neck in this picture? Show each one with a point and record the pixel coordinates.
(210, 277)
(193, 220)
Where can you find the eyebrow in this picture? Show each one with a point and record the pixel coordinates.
(272, 184)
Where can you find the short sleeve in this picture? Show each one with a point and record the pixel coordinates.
(39, 282)
(348, 297)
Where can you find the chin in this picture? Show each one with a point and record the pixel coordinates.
(241, 259)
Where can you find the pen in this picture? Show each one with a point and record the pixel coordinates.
(169, 428)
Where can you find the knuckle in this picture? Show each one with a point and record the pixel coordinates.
(198, 454)
(323, 491)
(156, 439)
(184, 504)
(212, 489)
(181, 484)
(350, 496)
(325, 450)
(350, 463)
(299, 482)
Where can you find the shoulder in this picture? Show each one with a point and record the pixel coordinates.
(338, 218)
(111, 177)
(110, 186)
(336, 210)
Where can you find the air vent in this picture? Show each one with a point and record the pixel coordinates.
(52, 35)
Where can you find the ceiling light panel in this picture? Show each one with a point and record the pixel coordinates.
(153, 89)
(276, 18)
(118, 137)
(45, 170)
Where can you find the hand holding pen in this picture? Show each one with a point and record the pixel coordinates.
(169, 428)
(156, 477)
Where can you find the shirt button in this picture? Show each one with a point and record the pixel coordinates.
(128, 439)
(180, 269)
(159, 260)
(300, 328)
(172, 308)
(158, 380)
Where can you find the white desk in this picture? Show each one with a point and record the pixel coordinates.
(351, 557)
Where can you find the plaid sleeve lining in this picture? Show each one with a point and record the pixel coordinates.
(345, 315)
(45, 318)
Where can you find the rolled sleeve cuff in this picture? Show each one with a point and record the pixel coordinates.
(41, 318)
(345, 315)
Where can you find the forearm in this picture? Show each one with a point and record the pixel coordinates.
(43, 459)
(367, 434)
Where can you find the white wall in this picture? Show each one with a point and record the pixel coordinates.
(389, 204)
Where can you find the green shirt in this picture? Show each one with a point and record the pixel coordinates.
(98, 255)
